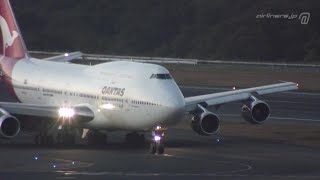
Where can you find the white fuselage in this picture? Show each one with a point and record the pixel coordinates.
(122, 95)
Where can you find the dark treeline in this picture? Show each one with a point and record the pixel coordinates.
(207, 29)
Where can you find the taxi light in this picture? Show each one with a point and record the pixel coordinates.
(157, 138)
(66, 112)
(107, 106)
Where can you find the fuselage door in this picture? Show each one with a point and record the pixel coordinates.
(126, 104)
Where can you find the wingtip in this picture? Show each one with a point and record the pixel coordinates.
(295, 83)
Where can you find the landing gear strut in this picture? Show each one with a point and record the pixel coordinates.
(66, 135)
(57, 134)
(157, 145)
(44, 138)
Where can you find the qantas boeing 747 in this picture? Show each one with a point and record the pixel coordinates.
(124, 96)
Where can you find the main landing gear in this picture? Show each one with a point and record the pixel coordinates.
(50, 135)
(44, 137)
(66, 135)
(157, 145)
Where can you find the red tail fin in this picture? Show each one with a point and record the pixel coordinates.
(12, 44)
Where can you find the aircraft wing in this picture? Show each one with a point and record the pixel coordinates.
(64, 57)
(220, 98)
(81, 113)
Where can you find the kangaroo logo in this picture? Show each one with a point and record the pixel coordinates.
(305, 16)
(7, 37)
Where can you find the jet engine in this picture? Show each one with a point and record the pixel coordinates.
(256, 112)
(205, 122)
(9, 125)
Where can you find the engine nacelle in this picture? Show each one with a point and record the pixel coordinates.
(256, 112)
(205, 122)
(9, 125)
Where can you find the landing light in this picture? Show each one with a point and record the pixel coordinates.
(107, 106)
(234, 88)
(66, 54)
(66, 112)
(297, 84)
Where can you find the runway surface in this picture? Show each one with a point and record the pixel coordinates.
(286, 147)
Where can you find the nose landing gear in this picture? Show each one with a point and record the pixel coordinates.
(157, 145)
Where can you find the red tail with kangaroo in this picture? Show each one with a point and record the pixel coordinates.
(11, 44)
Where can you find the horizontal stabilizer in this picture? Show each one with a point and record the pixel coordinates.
(65, 57)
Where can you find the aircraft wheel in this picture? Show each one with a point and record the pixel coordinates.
(91, 139)
(59, 138)
(142, 139)
(43, 140)
(153, 148)
(37, 139)
(49, 140)
(160, 148)
(69, 139)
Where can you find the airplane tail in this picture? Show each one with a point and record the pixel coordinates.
(12, 44)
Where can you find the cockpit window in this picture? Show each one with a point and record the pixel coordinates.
(160, 76)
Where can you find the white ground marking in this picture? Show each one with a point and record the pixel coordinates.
(64, 177)
(242, 168)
